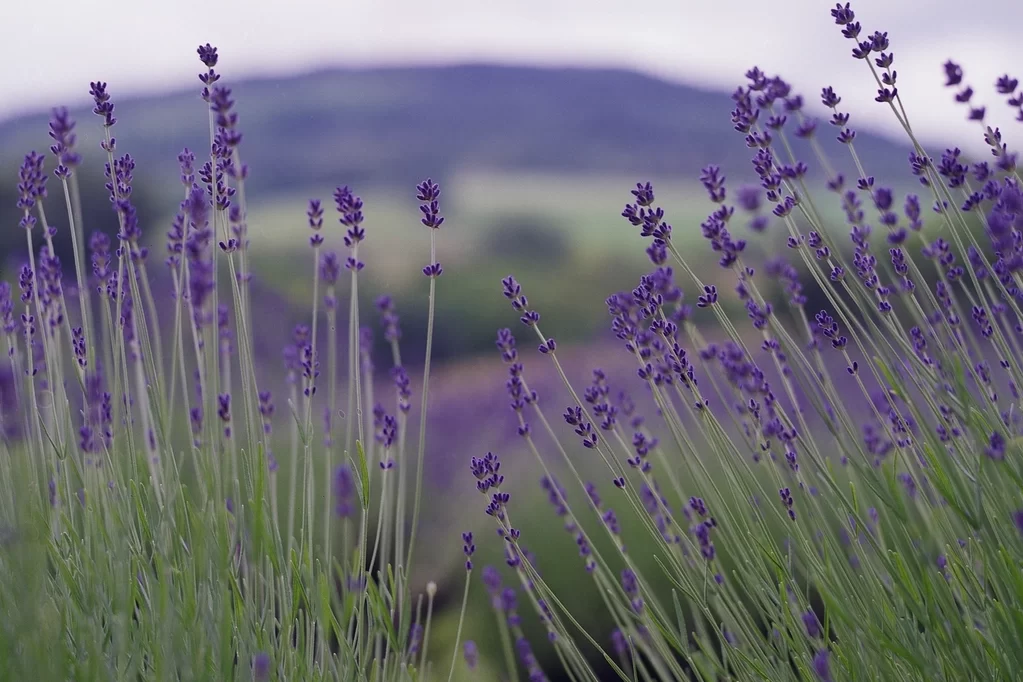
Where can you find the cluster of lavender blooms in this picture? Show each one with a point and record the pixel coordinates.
(859, 465)
(210, 522)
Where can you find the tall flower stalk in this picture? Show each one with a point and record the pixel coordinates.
(427, 192)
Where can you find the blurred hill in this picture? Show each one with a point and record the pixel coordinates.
(394, 126)
(536, 164)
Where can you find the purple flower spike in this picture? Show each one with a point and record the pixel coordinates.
(468, 548)
(748, 197)
(415, 639)
(486, 470)
(428, 192)
(630, 585)
(812, 624)
(555, 494)
(392, 327)
(208, 55)
(492, 582)
(953, 74)
(62, 131)
(1017, 520)
(708, 298)
(996, 446)
(403, 385)
(385, 429)
(574, 416)
(104, 107)
(471, 654)
(619, 643)
(1006, 85)
(827, 326)
(714, 182)
(843, 15)
(822, 666)
(513, 292)
(261, 667)
(349, 206)
(786, 499)
(315, 214)
(344, 492)
(330, 268)
(31, 186)
(266, 410)
(651, 219)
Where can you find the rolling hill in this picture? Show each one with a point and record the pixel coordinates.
(393, 126)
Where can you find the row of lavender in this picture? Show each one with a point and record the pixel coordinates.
(862, 523)
(102, 390)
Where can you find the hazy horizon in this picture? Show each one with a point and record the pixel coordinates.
(49, 61)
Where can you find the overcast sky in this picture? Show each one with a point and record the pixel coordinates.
(47, 56)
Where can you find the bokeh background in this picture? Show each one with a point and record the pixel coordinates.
(535, 117)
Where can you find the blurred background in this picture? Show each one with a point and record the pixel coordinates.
(536, 118)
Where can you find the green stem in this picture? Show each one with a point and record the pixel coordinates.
(461, 620)
(426, 394)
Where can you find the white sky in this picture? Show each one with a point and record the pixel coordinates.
(48, 56)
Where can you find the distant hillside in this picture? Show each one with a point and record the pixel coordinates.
(396, 125)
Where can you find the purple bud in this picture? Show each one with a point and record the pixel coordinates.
(261, 667)
(471, 654)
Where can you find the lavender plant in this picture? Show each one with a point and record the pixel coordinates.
(135, 554)
(826, 494)
(843, 484)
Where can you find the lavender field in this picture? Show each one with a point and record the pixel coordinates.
(509, 372)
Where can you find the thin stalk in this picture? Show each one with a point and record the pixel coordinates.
(426, 395)
(461, 620)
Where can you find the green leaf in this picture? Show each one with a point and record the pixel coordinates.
(364, 482)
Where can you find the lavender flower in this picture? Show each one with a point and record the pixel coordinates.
(996, 446)
(555, 494)
(488, 480)
(415, 640)
(315, 216)
(822, 666)
(392, 326)
(31, 187)
(62, 132)
(529, 660)
(470, 654)
(261, 667)
(630, 585)
(786, 499)
(343, 487)
(619, 644)
(385, 429)
(428, 192)
(468, 548)
(403, 385)
(349, 206)
(7, 309)
(583, 428)
(330, 268)
(104, 107)
(812, 624)
(492, 583)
